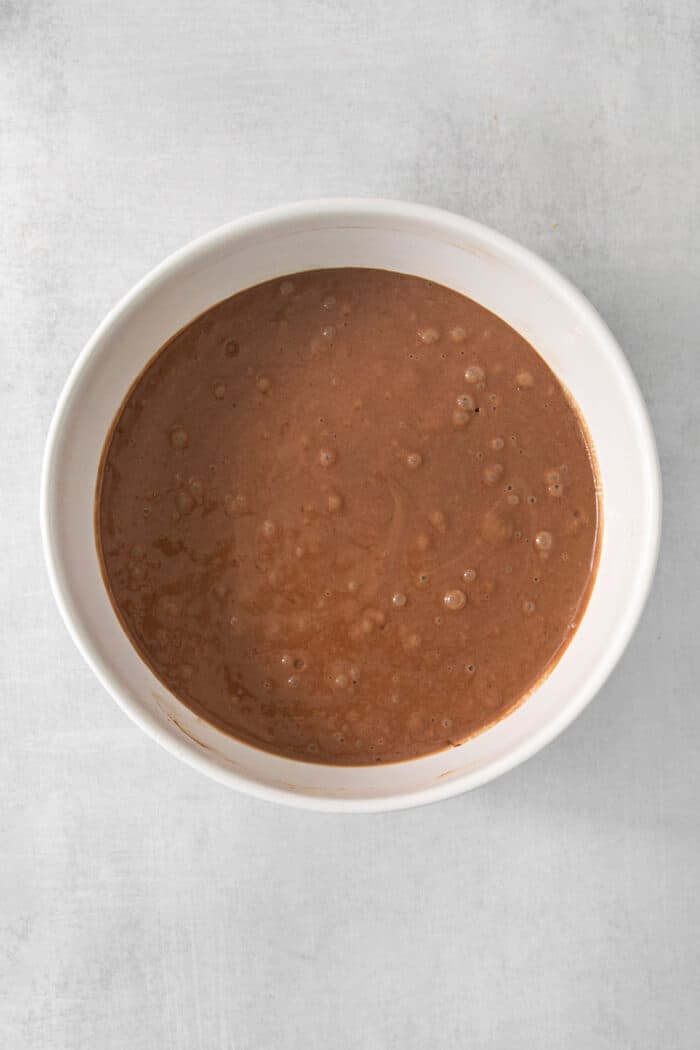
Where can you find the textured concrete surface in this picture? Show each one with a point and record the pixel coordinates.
(142, 906)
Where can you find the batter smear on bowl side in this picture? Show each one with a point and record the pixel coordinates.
(348, 516)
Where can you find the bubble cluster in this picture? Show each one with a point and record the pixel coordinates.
(428, 335)
(544, 541)
(457, 334)
(466, 403)
(469, 575)
(328, 331)
(475, 374)
(414, 460)
(454, 600)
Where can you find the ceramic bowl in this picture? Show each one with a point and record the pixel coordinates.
(451, 250)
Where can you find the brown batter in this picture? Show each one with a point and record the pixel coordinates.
(349, 516)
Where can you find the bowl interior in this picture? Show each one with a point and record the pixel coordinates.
(452, 251)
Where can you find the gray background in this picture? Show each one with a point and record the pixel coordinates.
(142, 906)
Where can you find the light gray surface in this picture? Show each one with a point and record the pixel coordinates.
(142, 906)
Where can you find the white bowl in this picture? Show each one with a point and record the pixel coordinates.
(453, 251)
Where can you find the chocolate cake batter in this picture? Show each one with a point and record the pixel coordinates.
(348, 516)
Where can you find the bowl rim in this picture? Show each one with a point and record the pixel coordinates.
(377, 209)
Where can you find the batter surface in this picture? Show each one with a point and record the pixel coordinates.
(348, 516)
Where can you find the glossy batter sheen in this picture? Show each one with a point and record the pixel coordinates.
(349, 516)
